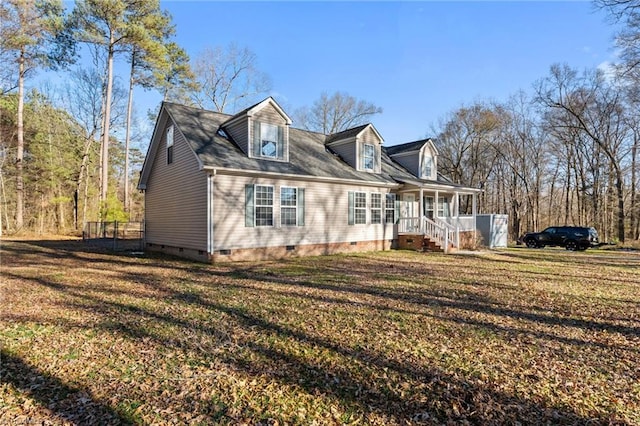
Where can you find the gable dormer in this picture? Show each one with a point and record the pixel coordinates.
(360, 147)
(261, 131)
(419, 157)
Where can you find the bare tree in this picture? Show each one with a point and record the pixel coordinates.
(466, 142)
(522, 148)
(335, 113)
(591, 105)
(26, 28)
(228, 78)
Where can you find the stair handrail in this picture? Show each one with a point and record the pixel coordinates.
(437, 232)
(453, 231)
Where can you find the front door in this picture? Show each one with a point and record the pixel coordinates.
(408, 210)
(408, 205)
(428, 207)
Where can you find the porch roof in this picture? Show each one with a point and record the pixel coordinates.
(442, 184)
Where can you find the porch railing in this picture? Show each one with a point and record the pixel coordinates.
(464, 223)
(441, 233)
(453, 231)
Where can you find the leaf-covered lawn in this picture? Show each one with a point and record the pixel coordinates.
(529, 336)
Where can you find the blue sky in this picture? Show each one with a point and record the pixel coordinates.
(416, 60)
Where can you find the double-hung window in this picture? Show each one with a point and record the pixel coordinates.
(390, 208)
(360, 208)
(376, 207)
(427, 166)
(368, 158)
(263, 205)
(288, 206)
(443, 207)
(268, 140)
(357, 208)
(428, 206)
(170, 144)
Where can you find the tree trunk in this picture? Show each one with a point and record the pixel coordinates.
(620, 196)
(104, 176)
(633, 208)
(20, 148)
(81, 175)
(127, 134)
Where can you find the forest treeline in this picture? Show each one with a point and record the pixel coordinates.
(564, 151)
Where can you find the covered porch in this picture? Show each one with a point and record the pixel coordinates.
(440, 214)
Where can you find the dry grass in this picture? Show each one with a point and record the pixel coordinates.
(528, 336)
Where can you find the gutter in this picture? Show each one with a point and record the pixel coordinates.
(240, 172)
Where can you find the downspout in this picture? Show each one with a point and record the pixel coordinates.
(210, 215)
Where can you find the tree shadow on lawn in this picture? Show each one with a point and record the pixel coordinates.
(376, 388)
(442, 396)
(465, 300)
(621, 259)
(67, 402)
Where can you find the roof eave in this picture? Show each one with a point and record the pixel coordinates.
(233, 171)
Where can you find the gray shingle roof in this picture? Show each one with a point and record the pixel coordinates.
(308, 156)
(345, 134)
(406, 147)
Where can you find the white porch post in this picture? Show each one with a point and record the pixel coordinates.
(474, 213)
(435, 204)
(421, 210)
(456, 210)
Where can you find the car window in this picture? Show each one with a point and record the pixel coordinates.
(550, 231)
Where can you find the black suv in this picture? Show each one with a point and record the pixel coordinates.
(569, 237)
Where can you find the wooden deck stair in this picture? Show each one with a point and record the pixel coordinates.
(421, 243)
(429, 245)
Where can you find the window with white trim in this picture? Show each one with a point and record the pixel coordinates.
(376, 207)
(268, 140)
(369, 155)
(390, 208)
(443, 207)
(263, 205)
(170, 144)
(427, 166)
(360, 208)
(428, 206)
(288, 206)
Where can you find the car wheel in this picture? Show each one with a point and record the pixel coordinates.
(532, 243)
(571, 245)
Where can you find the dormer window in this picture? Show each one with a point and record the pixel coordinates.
(268, 140)
(427, 166)
(368, 158)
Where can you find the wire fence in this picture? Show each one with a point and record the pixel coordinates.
(119, 236)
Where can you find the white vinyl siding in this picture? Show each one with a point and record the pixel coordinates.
(322, 209)
(176, 197)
